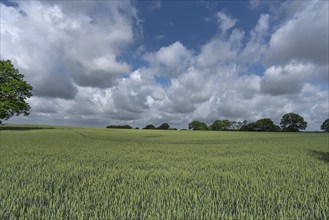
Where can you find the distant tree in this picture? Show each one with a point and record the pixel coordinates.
(235, 125)
(325, 125)
(119, 126)
(226, 124)
(252, 126)
(265, 124)
(164, 126)
(293, 122)
(197, 125)
(150, 126)
(220, 125)
(13, 92)
(277, 128)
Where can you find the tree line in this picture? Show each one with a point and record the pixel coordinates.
(290, 122)
(164, 126)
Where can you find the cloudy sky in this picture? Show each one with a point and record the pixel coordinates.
(94, 63)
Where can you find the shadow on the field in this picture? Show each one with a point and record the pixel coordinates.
(22, 128)
(324, 156)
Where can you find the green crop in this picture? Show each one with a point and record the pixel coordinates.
(77, 173)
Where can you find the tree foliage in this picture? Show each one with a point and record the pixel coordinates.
(150, 126)
(13, 91)
(264, 124)
(293, 122)
(236, 125)
(325, 125)
(197, 125)
(220, 125)
(164, 126)
(119, 126)
(252, 126)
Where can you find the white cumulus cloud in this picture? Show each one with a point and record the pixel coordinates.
(303, 37)
(170, 61)
(58, 46)
(288, 79)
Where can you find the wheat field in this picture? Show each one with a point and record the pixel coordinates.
(91, 173)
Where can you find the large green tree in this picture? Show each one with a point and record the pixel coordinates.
(150, 126)
(293, 122)
(220, 125)
(325, 125)
(197, 125)
(265, 124)
(13, 91)
(164, 126)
